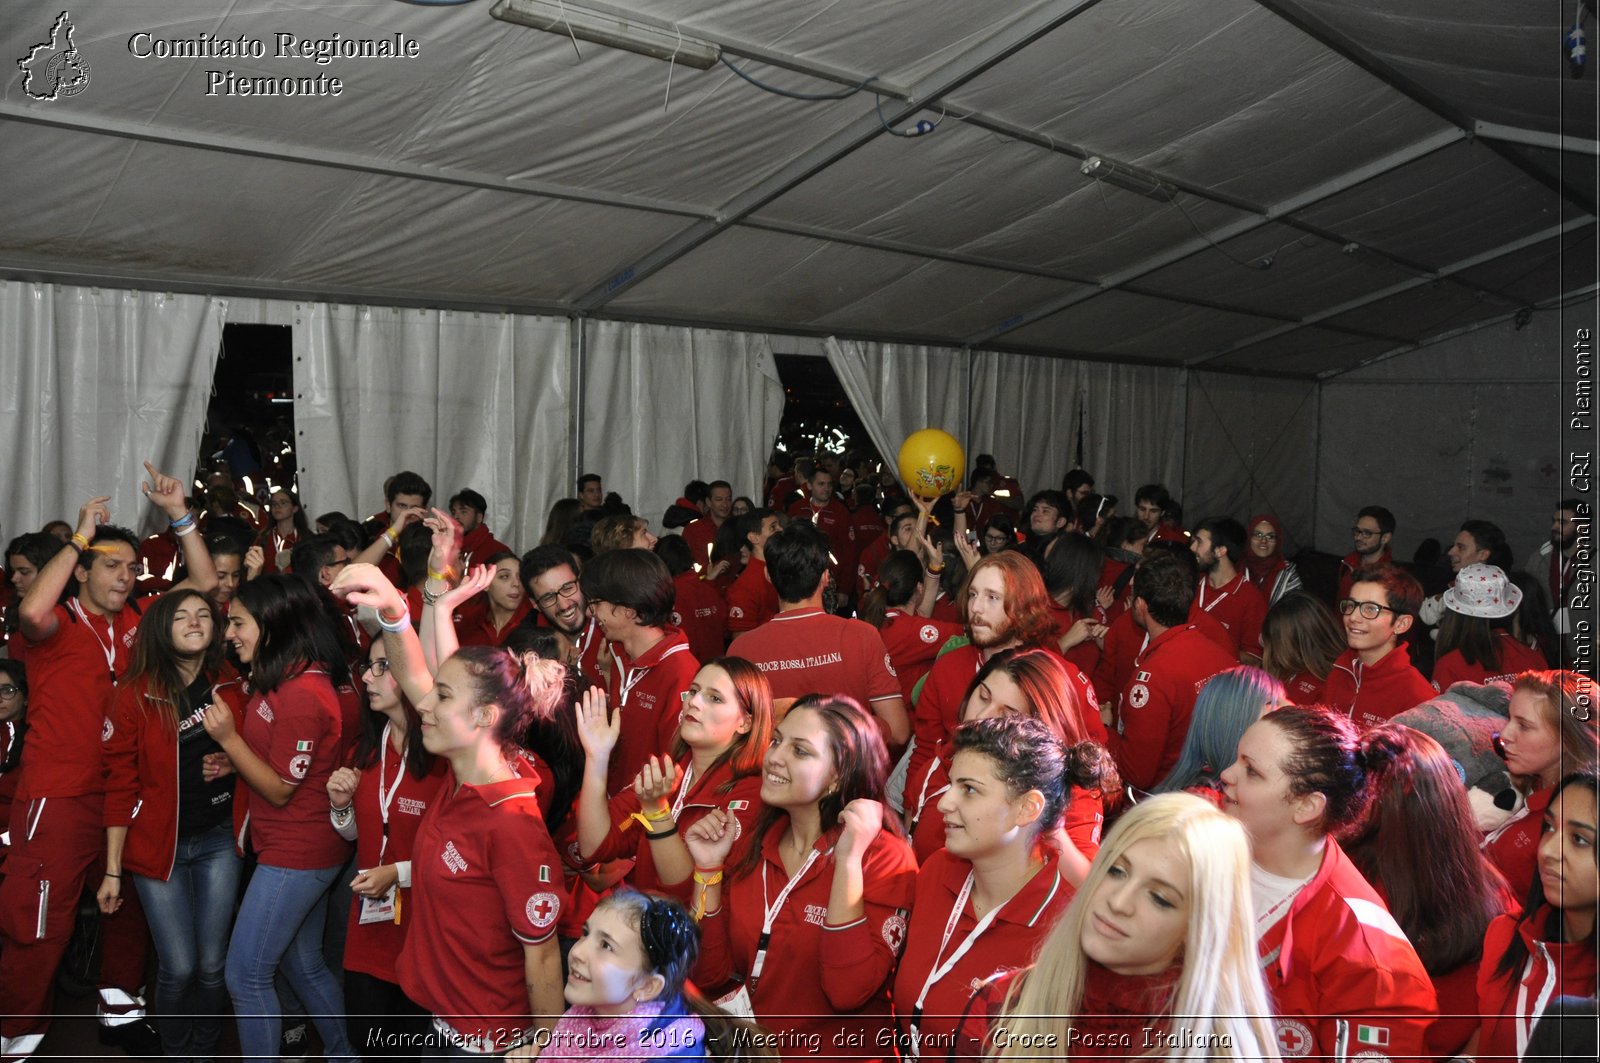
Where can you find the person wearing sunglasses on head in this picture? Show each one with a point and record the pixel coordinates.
(1374, 679)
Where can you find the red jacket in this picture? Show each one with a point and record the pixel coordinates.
(647, 694)
(913, 643)
(1352, 563)
(1013, 938)
(700, 535)
(1123, 641)
(1515, 658)
(741, 799)
(478, 545)
(1513, 847)
(1153, 712)
(1303, 688)
(699, 610)
(141, 761)
(1239, 607)
(752, 600)
(475, 625)
(1343, 978)
(1509, 1005)
(833, 520)
(1373, 694)
(818, 981)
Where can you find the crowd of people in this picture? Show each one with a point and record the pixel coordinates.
(828, 771)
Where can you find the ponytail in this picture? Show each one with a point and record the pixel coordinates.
(527, 688)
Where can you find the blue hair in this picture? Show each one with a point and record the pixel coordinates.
(1227, 705)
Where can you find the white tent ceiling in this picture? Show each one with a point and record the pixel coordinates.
(1396, 166)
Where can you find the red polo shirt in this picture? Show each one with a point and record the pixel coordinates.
(818, 980)
(486, 881)
(296, 729)
(1155, 707)
(805, 651)
(1124, 639)
(646, 691)
(1012, 939)
(374, 948)
(700, 535)
(1303, 688)
(913, 642)
(693, 799)
(1239, 607)
(752, 600)
(699, 610)
(1371, 694)
(833, 520)
(475, 623)
(70, 676)
(872, 557)
(1515, 658)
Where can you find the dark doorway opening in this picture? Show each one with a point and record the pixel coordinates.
(250, 421)
(817, 416)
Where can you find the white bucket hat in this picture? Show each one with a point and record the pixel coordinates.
(1483, 591)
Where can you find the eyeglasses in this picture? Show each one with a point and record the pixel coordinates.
(1264, 537)
(7, 691)
(1365, 533)
(1370, 610)
(380, 667)
(566, 590)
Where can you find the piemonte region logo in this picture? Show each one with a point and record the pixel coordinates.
(54, 69)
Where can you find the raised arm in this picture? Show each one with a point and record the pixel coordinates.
(166, 493)
(363, 584)
(37, 611)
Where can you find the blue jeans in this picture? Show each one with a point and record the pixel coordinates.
(189, 915)
(281, 921)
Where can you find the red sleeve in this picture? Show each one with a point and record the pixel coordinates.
(881, 679)
(744, 604)
(1084, 819)
(1139, 748)
(715, 965)
(1250, 631)
(1448, 670)
(121, 754)
(858, 958)
(1116, 659)
(528, 874)
(928, 720)
(301, 724)
(619, 843)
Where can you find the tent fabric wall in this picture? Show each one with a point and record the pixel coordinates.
(94, 382)
(1133, 428)
(1251, 448)
(1454, 431)
(464, 399)
(663, 405)
(1026, 411)
(897, 389)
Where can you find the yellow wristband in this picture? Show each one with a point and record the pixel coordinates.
(443, 577)
(664, 812)
(708, 880)
(80, 542)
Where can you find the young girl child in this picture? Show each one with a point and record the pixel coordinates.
(1343, 977)
(378, 803)
(724, 730)
(1226, 707)
(811, 919)
(1028, 683)
(168, 829)
(988, 898)
(1551, 732)
(1148, 960)
(284, 747)
(1550, 952)
(1419, 849)
(626, 986)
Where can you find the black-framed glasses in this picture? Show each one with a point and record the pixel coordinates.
(1370, 610)
(7, 691)
(380, 667)
(566, 590)
(1366, 533)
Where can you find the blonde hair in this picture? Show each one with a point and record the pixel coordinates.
(1220, 998)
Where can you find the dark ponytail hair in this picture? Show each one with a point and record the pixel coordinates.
(1329, 757)
(295, 632)
(899, 578)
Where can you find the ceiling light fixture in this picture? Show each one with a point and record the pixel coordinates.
(614, 31)
(1128, 178)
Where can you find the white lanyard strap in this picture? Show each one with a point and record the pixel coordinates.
(1525, 1018)
(683, 790)
(386, 796)
(772, 912)
(941, 969)
(1218, 600)
(922, 798)
(109, 649)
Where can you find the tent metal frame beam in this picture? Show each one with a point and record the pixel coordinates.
(1535, 138)
(1553, 232)
(340, 160)
(1337, 42)
(1343, 182)
(1544, 304)
(1011, 39)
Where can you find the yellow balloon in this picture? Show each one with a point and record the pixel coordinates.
(931, 462)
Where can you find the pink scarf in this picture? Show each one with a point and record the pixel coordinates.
(581, 1034)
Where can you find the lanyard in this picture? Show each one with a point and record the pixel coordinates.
(683, 790)
(772, 913)
(386, 797)
(922, 798)
(1218, 600)
(109, 649)
(1524, 1017)
(940, 970)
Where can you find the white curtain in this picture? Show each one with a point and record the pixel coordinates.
(897, 390)
(664, 405)
(1133, 429)
(465, 399)
(94, 382)
(1026, 412)
(1251, 449)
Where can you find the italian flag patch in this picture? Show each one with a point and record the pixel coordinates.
(738, 806)
(1373, 1035)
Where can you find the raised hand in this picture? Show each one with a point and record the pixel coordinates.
(477, 581)
(862, 819)
(255, 559)
(598, 728)
(655, 782)
(219, 722)
(93, 514)
(446, 540)
(366, 585)
(711, 838)
(342, 786)
(166, 492)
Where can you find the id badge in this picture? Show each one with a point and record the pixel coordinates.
(378, 909)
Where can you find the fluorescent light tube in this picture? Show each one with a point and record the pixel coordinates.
(1128, 178)
(614, 31)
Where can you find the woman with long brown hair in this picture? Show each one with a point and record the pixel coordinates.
(1300, 640)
